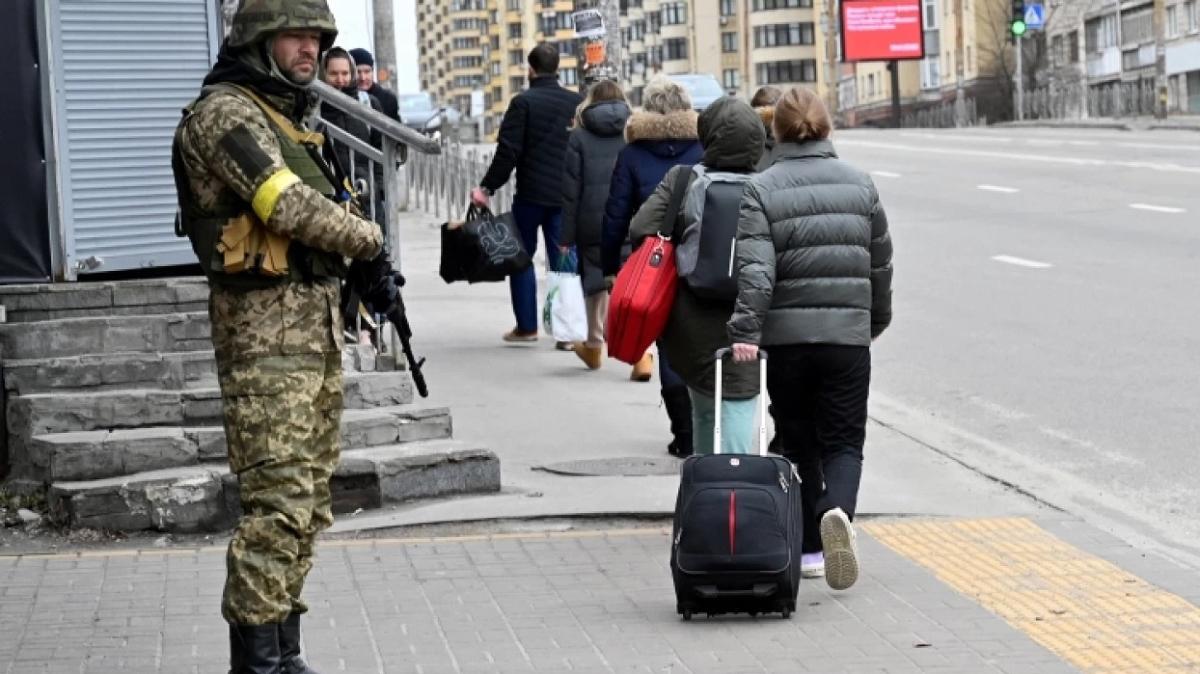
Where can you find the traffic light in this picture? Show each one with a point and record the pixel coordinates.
(1017, 25)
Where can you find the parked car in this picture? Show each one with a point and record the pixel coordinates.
(703, 88)
(420, 114)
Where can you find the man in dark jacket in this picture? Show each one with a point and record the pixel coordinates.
(365, 63)
(533, 140)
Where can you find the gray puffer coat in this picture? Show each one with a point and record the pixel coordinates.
(592, 151)
(813, 252)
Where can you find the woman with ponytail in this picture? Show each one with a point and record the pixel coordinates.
(814, 266)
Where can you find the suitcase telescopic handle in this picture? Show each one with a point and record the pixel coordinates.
(720, 356)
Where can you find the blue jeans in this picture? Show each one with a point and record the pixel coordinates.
(738, 432)
(523, 286)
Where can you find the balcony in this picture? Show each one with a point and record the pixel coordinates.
(1104, 64)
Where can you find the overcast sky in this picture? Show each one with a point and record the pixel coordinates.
(354, 30)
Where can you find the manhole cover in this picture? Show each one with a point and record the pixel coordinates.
(627, 465)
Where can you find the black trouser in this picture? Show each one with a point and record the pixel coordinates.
(819, 394)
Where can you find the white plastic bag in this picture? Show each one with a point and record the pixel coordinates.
(565, 313)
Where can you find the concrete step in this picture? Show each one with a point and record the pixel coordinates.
(66, 337)
(110, 371)
(41, 413)
(49, 301)
(205, 497)
(94, 455)
(114, 371)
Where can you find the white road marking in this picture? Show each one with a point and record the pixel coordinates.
(1158, 209)
(998, 188)
(885, 174)
(1022, 262)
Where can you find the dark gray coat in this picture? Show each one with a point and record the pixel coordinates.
(732, 135)
(813, 253)
(592, 152)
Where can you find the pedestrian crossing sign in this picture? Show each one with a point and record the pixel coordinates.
(1035, 16)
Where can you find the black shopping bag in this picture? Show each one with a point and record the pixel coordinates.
(485, 248)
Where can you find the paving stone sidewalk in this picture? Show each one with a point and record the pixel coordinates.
(584, 601)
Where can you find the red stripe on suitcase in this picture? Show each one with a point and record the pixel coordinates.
(732, 520)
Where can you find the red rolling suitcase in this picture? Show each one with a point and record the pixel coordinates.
(645, 288)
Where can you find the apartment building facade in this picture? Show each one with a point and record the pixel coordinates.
(1107, 58)
(480, 45)
(966, 46)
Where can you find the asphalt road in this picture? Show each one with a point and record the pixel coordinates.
(1046, 313)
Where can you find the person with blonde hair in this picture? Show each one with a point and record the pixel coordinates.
(661, 136)
(814, 269)
(592, 150)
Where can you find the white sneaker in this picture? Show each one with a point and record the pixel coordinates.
(841, 553)
(812, 565)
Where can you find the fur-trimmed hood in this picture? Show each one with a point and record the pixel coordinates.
(653, 126)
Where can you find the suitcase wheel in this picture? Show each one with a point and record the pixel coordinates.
(787, 612)
(687, 614)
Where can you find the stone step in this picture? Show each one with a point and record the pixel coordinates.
(50, 301)
(205, 497)
(110, 371)
(65, 337)
(113, 371)
(41, 413)
(94, 455)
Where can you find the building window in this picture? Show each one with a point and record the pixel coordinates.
(655, 22)
(784, 34)
(569, 76)
(637, 29)
(931, 15)
(970, 61)
(1193, 20)
(871, 85)
(568, 48)
(729, 42)
(513, 5)
(677, 48)
(732, 79)
(1172, 21)
(674, 14)
(931, 75)
(768, 5)
(782, 72)
(727, 8)
(1073, 47)
(515, 57)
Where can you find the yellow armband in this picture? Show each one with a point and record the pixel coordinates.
(267, 196)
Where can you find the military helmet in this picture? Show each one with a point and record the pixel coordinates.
(257, 19)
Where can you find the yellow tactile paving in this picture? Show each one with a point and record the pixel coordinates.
(1084, 609)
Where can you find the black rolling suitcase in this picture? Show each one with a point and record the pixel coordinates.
(738, 527)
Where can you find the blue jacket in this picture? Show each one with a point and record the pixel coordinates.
(656, 143)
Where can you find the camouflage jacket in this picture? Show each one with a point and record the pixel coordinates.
(231, 156)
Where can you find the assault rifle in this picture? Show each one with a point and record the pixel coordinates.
(379, 285)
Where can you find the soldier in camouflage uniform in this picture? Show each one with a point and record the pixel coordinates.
(242, 154)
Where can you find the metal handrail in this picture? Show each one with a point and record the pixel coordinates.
(387, 126)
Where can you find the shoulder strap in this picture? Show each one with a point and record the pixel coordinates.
(678, 191)
(277, 118)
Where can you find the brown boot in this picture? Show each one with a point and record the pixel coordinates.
(590, 355)
(644, 368)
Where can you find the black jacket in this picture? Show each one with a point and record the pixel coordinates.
(813, 252)
(391, 104)
(591, 154)
(533, 140)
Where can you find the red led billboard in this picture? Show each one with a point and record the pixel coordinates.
(882, 30)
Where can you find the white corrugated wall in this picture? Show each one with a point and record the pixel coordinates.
(123, 70)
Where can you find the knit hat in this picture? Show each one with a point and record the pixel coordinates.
(362, 57)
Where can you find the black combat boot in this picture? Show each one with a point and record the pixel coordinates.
(289, 647)
(679, 409)
(254, 649)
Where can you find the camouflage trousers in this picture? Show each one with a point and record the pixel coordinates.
(282, 424)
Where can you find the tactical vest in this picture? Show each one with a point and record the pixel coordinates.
(204, 228)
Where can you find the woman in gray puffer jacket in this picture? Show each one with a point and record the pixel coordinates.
(592, 151)
(814, 261)
(732, 136)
